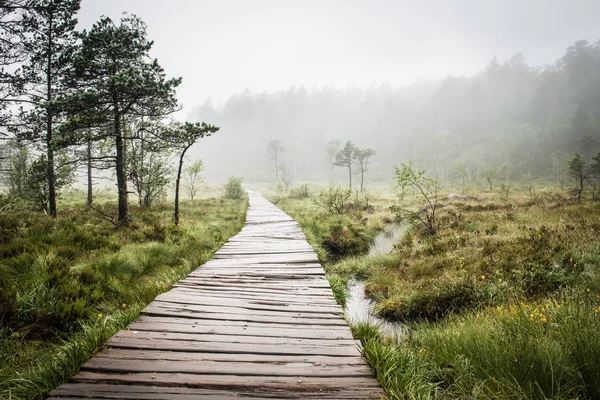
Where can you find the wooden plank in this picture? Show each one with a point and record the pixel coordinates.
(177, 312)
(152, 355)
(230, 348)
(224, 368)
(216, 337)
(299, 383)
(231, 326)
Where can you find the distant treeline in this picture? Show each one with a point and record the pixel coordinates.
(510, 120)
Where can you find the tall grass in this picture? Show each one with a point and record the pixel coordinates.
(68, 285)
(504, 303)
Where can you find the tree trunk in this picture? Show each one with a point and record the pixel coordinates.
(51, 177)
(123, 217)
(176, 213)
(362, 179)
(276, 168)
(350, 175)
(90, 194)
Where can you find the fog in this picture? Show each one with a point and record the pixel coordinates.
(458, 87)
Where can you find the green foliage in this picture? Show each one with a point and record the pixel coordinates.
(334, 200)
(437, 302)
(580, 172)
(193, 178)
(66, 285)
(300, 192)
(338, 286)
(37, 189)
(233, 188)
(345, 158)
(413, 181)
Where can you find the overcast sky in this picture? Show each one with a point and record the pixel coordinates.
(224, 46)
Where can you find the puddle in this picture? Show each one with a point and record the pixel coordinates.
(384, 242)
(359, 308)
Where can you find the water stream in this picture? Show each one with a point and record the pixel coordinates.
(384, 242)
(359, 308)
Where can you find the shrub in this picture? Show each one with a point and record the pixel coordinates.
(300, 192)
(233, 188)
(333, 199)
(346, 238)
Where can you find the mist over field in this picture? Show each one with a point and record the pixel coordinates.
(510, 115)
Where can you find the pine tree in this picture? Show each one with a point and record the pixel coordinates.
(345, 158)
(50, 41)
(118, 80)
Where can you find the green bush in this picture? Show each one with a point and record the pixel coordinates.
(345, 237)
(334, 200)
(300, 192)
(233, 188)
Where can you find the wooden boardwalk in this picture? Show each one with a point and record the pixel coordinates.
(257, 321)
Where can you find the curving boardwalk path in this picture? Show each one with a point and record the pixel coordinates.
(257, 321)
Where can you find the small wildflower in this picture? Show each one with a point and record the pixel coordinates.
(483, 277)
(574, 265)
(123, 305)
(587, 290)
(99, 315)
(499, 280)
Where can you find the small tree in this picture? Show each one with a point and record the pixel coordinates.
(362, 158)
(183, 136)
(233, 188)
(595, 172)
(345, 158)
(490, 175)
(578, 169)
(414, 181)
(193, 178)
(16, 167)
(274, 150)
(286, 177)
(36, 184)
(333, 199)
(148, 167)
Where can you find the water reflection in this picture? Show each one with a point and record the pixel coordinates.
(359, 308)
(384, 242)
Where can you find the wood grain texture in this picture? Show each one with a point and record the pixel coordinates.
(257, 321)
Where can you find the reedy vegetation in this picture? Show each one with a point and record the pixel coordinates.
(68, 284)
(502, 301)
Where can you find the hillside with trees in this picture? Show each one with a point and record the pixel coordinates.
(509, 121)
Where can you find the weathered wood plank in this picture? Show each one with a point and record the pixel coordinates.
(151, 355)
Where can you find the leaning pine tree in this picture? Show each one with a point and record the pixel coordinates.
(117, 80)
(182, 136)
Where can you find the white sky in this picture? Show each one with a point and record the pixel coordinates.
(224, 46)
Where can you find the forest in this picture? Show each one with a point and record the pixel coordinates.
(511, 121)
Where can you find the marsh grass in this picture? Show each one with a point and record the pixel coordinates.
(503, 303)
(67, 285)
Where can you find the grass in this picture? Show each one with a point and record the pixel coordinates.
(503, 303)
(67, 285)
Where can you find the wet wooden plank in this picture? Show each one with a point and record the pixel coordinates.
(258, 320)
